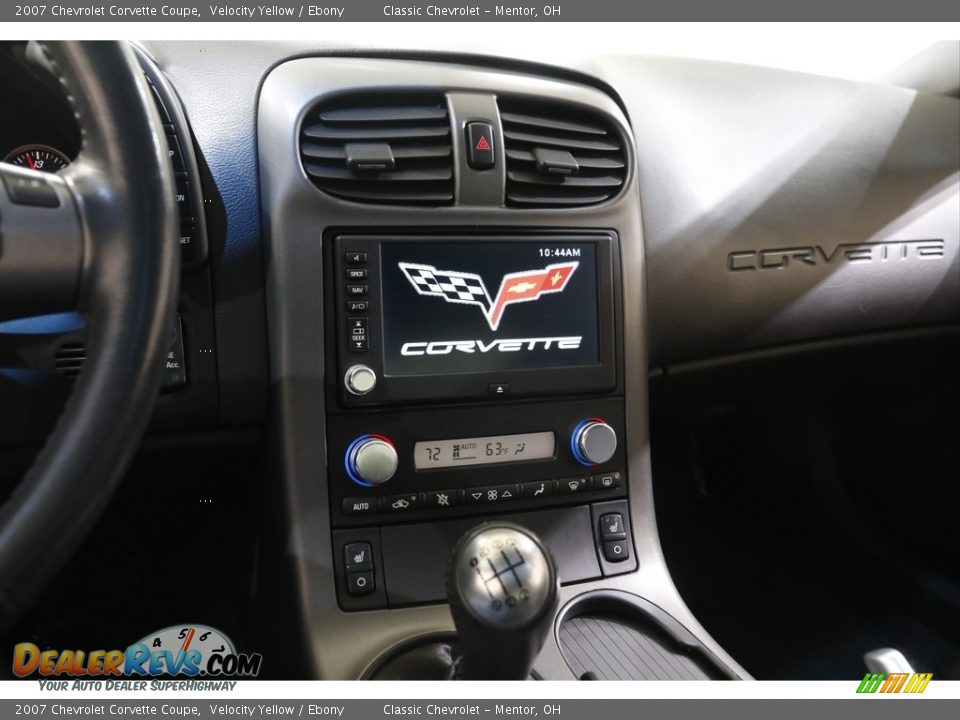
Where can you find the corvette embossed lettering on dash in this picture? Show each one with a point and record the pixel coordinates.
(825, 256)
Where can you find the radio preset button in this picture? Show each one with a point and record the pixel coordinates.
(538, 488)
(356, 273)
(357, 290)
(357, 306)
(360, 380)
(569, 485)
(355, 258)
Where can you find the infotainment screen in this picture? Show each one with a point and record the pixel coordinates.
(466, 307)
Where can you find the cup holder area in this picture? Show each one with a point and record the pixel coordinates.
(612, 635)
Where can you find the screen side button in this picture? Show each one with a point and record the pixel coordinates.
(499, 389)
(355, 258)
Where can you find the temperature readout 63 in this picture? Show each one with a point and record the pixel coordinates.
(483, 450)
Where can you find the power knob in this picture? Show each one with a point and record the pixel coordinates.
(359, 379)
(593, 441)
(371, 460)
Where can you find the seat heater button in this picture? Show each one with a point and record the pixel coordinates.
(616, 550)
(360, 583)
(358, 556)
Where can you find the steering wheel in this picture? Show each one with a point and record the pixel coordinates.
(99, 238)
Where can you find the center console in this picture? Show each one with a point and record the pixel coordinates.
(456, 302)
(472, 375)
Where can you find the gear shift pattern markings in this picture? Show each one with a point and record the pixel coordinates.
(520, 594)
(503, 590)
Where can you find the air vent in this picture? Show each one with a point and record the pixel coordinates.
(69, 358)
(387, 150)
(558, 156)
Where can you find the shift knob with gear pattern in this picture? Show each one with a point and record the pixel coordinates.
(503, 590)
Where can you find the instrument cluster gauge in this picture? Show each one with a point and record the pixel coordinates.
(38, 157)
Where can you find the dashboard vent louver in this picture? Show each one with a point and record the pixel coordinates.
(393, 150)
(559, 156)
(69, 358)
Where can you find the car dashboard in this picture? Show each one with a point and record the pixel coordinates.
(439, 287)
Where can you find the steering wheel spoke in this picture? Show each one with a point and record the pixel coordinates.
(100, 237)
(41, 244)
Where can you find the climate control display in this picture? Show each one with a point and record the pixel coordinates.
(484, 450)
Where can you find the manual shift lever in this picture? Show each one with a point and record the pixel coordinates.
(503, 590)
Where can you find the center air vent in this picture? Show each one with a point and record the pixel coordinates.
(559, 156)
(380, 149)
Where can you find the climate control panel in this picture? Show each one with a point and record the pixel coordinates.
(414, 464)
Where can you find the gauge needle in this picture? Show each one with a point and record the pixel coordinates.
(33, 165)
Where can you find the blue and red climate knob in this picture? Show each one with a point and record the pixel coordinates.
(593, 441)
(371, 460)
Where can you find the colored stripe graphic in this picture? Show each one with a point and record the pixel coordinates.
(894, 683)
(918, 683)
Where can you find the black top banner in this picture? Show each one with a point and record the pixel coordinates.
(322, 11)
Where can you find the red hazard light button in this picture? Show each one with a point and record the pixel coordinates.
(480, 146)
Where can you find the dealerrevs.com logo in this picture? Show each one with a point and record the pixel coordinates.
(193, 651)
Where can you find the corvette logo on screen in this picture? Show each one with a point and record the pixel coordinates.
(468, 289)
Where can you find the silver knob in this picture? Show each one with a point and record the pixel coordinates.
(371, 460)
(503, 589)
(594, 442)
(360, 379)
(503, 576)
